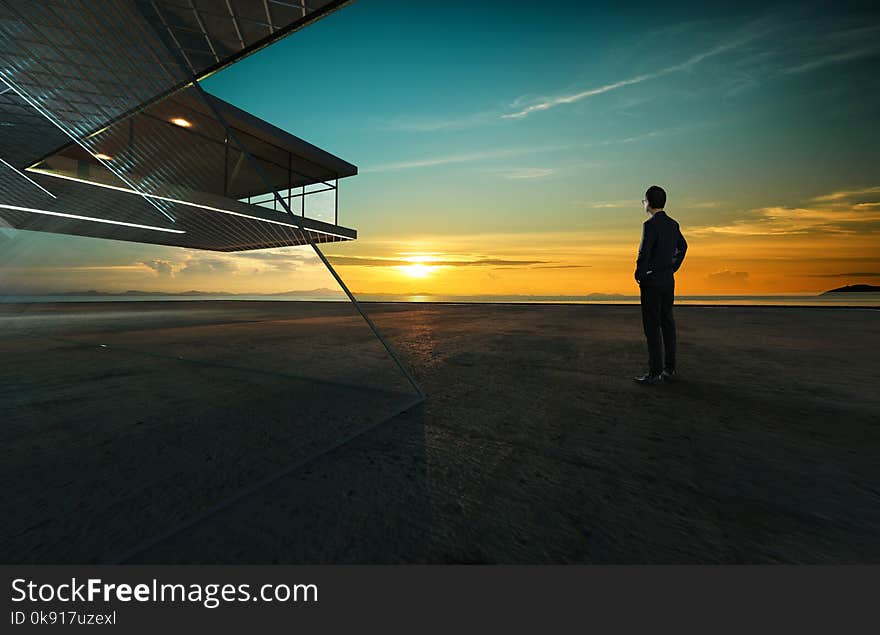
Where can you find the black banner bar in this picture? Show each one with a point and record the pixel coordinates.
(416, 599)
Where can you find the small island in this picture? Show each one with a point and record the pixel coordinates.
(856, 288)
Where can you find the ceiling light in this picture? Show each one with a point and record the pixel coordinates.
(180, 121)
(103, 157)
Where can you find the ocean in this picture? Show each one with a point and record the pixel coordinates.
(865, 300)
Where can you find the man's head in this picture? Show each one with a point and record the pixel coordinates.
(655, 199)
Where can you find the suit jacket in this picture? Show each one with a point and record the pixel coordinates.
(661, 251)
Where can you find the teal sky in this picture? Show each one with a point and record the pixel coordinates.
(746, 104)
(513, 142)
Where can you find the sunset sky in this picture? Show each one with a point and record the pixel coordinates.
(504, 148)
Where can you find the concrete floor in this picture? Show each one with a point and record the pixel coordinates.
(534, 445)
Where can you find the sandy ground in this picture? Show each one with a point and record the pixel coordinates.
(534, 444)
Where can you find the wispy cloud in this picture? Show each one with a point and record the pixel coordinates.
(250, 262)
(527, 174)
(727, 277)
(433, 262)
(780, 221)
(163, 268)
(562, 267)
(121, 268)
(853, 274)
(828, 47)
(281, 260)
(822, 47)
(635, 203)
(559, 100)
(521, 151)
(468, 157)
(834, 58)
(440, 123)
(841, 212)
(209, 266)
(798, 46)
(622, 204)
(803, 46)
(842, 195)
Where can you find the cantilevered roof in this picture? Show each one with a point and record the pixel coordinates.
(91, 63)
(106, 133)
(211, 34)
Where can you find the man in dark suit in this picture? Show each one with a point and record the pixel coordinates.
(661, 253)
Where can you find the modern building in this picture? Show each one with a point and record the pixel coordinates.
(106, 132)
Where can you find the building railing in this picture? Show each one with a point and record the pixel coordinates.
(319, 201)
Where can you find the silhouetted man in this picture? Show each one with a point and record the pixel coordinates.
(661, 253)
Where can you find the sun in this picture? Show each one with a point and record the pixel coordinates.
(418, 264)
(416, 270)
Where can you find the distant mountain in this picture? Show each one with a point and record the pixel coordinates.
(130, 292)
(151, 293)
(309, 292)
(606, 296)
(856, 288)
(323, 291)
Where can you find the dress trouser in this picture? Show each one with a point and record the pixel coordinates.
(659, 326)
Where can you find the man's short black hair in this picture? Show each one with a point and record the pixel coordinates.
(656, 196)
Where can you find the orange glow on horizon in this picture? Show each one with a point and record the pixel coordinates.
(578, 264)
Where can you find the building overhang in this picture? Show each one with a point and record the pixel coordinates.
(137, 150)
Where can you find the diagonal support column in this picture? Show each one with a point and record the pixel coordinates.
(279, 199)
